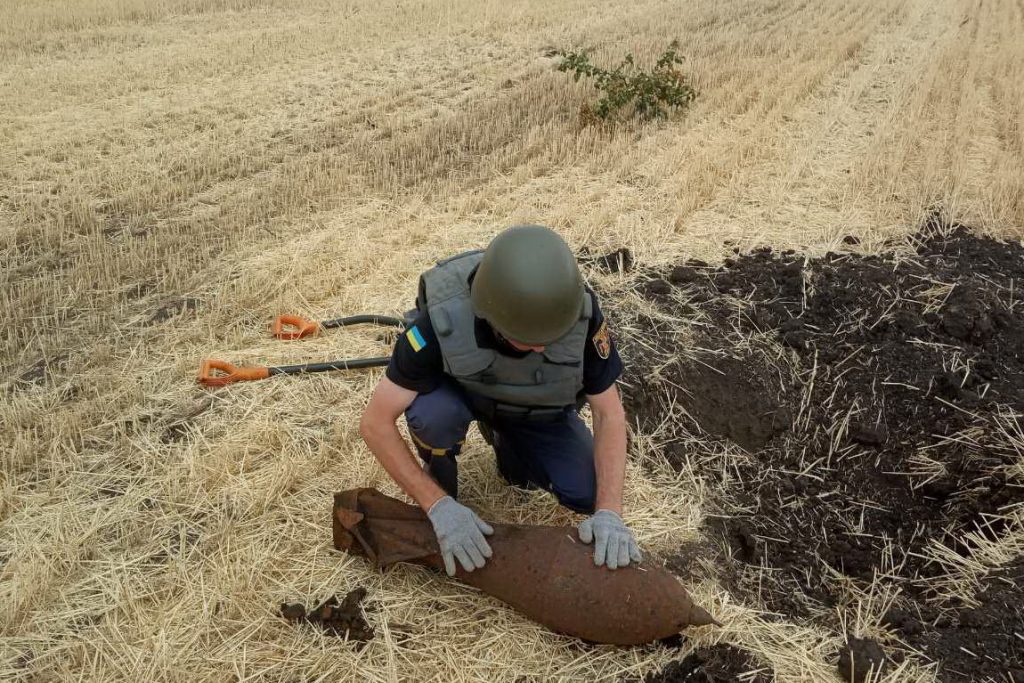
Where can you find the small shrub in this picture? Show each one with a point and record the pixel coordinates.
(648, 95)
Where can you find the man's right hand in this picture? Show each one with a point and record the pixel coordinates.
(460, 533)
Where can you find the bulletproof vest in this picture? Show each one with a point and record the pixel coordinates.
(553, 378)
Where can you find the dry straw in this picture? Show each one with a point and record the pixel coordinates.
(174, 174)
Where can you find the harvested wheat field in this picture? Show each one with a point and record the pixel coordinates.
(815, 286)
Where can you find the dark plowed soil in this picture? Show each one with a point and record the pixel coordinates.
(879, 401)
(860, 660)
(991, 633)
(718, 664)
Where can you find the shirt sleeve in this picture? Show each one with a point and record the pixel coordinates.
(602, 364)
(416, 362)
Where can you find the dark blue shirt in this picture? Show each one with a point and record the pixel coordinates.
(421, 370)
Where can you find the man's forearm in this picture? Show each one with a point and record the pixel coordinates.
(609, 461)
(390, 449)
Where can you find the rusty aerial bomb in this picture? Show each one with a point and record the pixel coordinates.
(544, 572)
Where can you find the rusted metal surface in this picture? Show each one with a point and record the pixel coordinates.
(545, 572)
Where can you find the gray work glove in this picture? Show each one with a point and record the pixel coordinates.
(460, 533)
(614, 544)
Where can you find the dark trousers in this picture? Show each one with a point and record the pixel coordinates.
(555, 455)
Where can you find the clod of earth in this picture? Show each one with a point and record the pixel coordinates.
(718, 664)
(861, 658)
(171, 308)
(545, 572)
(42, 370)
(343, 619)
(620, 260)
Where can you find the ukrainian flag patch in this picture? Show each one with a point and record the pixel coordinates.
(416, 339)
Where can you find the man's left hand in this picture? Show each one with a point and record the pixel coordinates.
(614, 544)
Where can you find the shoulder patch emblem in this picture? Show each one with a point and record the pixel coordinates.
(416, 339)
(602, 340)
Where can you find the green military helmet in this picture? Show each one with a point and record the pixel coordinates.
(528, 286)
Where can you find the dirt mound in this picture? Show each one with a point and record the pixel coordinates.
(718, 664)
(879, 398)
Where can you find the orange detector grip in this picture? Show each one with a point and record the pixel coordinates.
(301, 327)
(228, 373)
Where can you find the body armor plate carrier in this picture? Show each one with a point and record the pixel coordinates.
(536, 383)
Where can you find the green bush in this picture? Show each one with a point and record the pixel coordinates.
(647, 95)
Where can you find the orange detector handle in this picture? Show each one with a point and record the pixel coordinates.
(301, 327)
(228, 373)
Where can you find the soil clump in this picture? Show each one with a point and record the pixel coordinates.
(343, 619)
(717, 664)
(861, 658)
